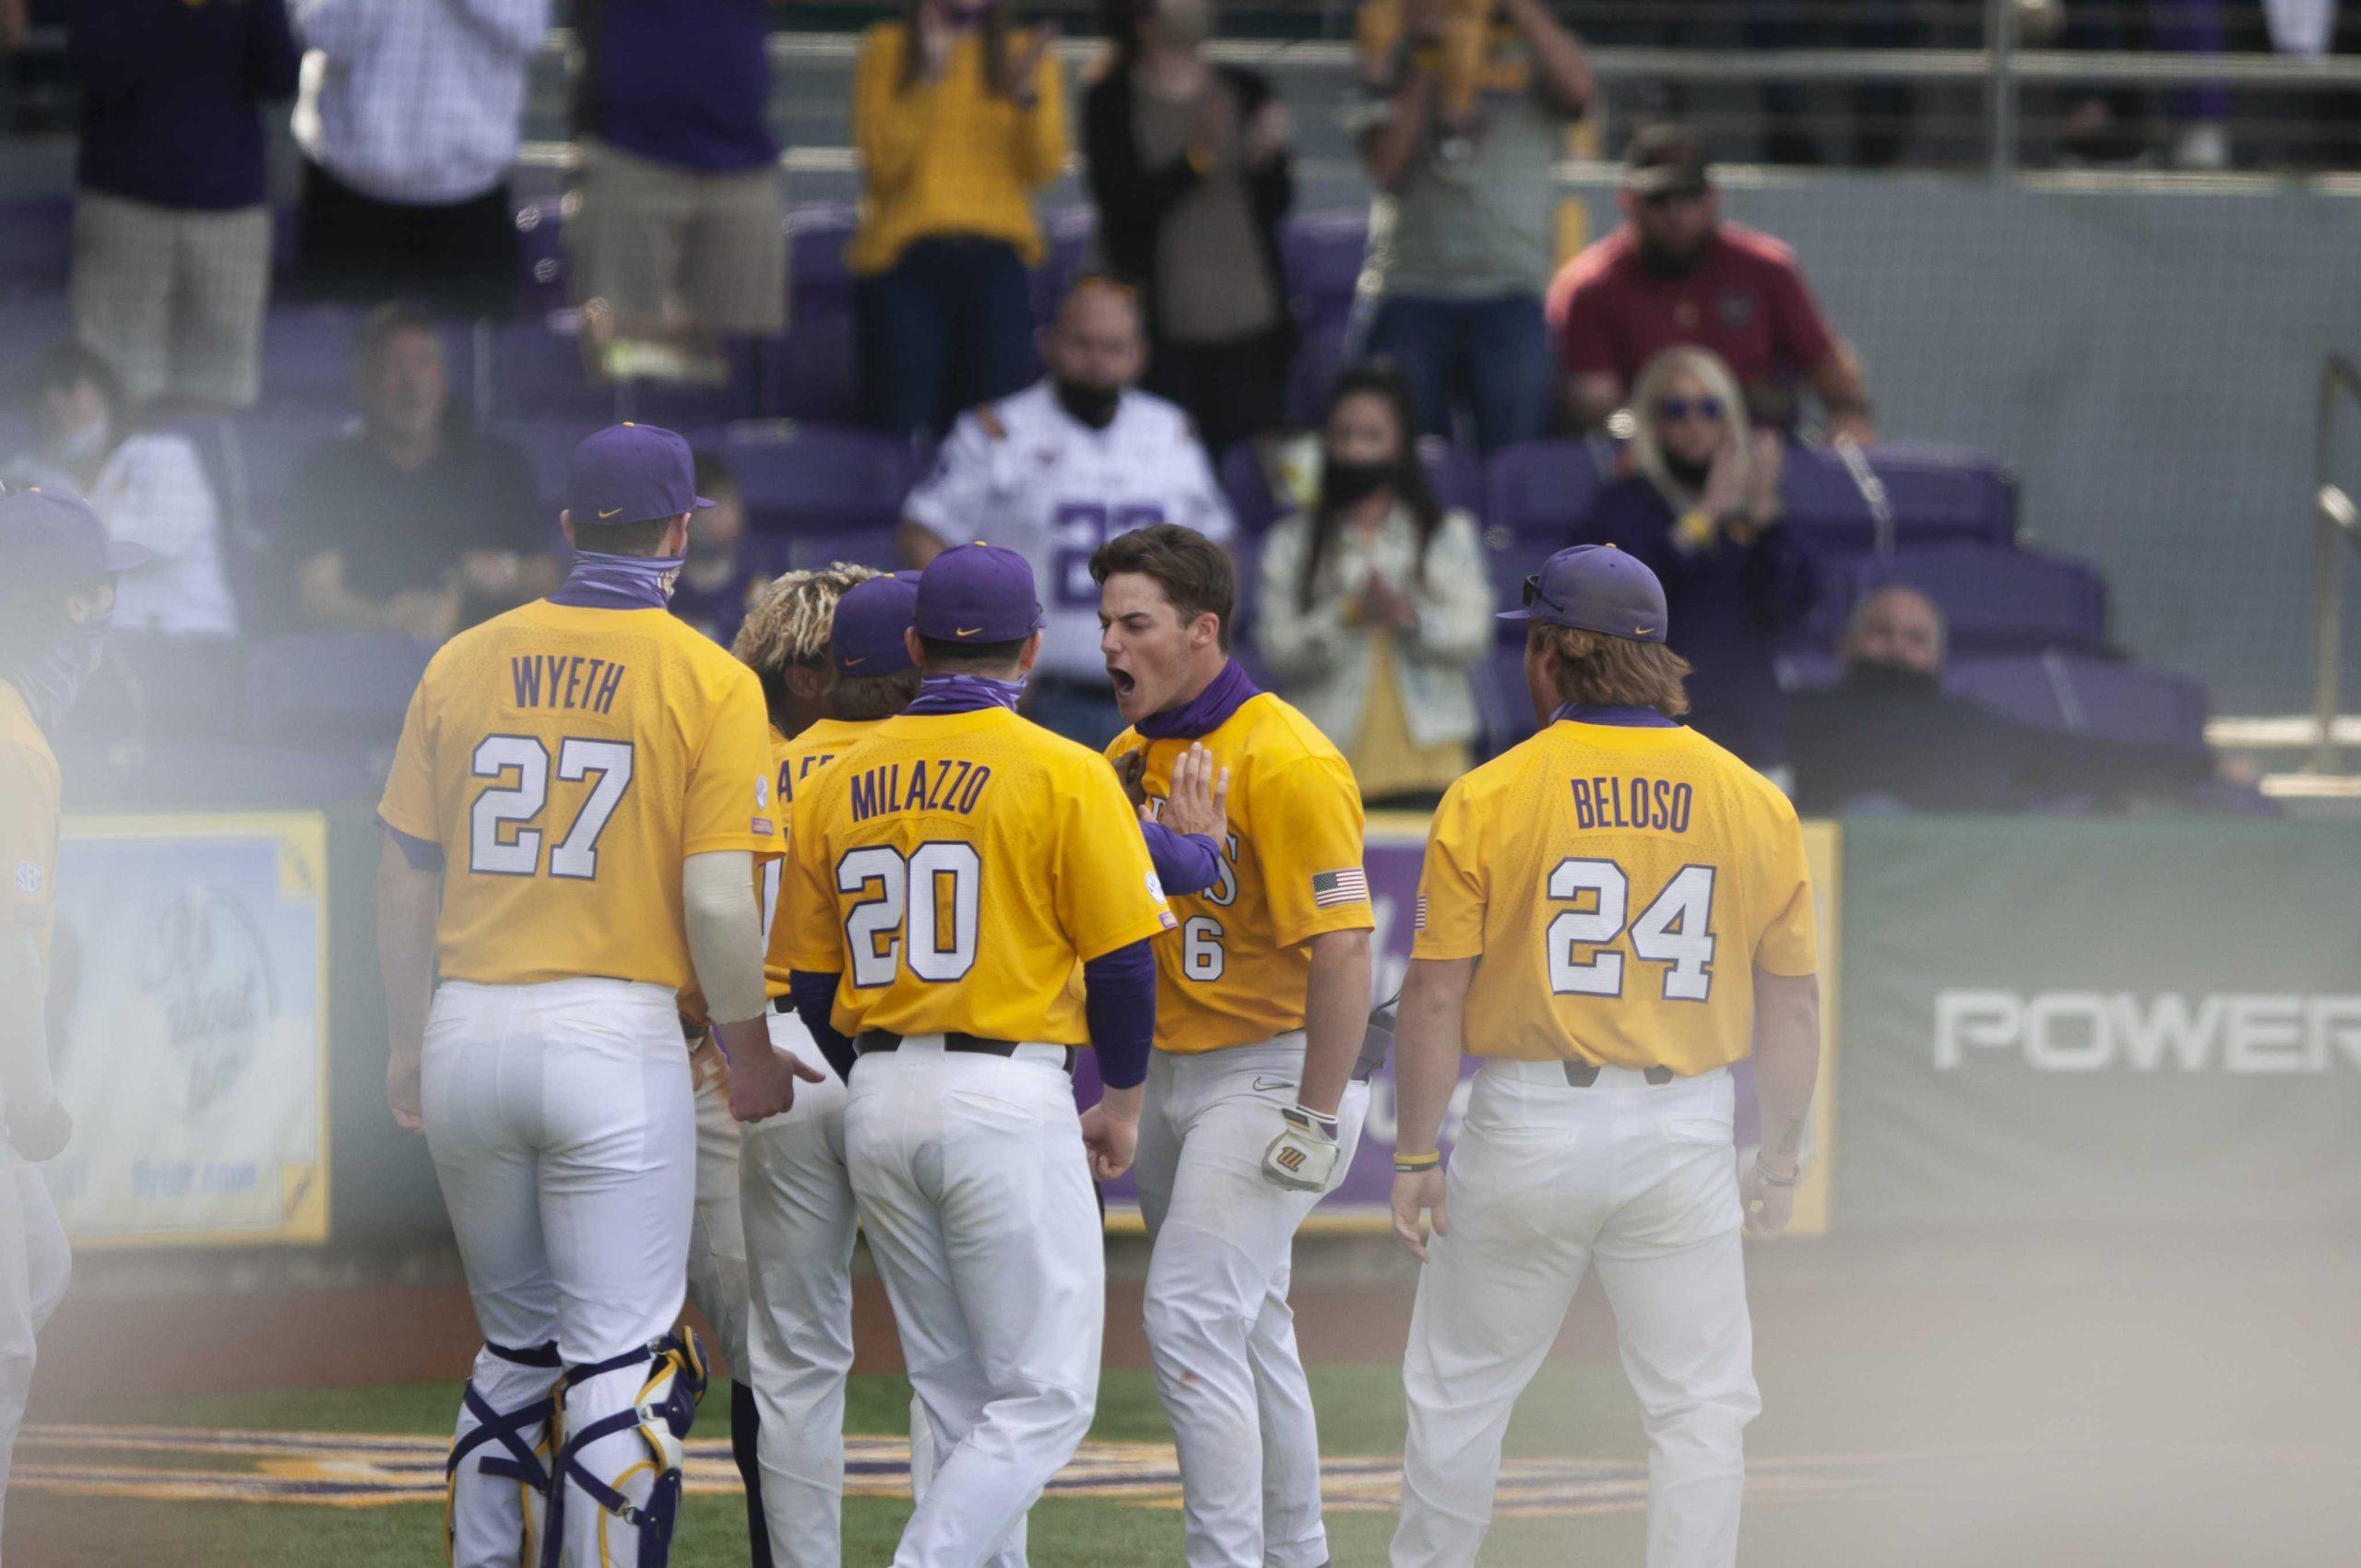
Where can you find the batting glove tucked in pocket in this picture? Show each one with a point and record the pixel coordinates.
(1303, 1157)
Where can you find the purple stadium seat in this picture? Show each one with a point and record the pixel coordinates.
(307, 354)
(538, 373)
(819, 480)
(858, 547)
(1937, 494)
(1541, 490)
(30, 322)
(1503, 705)
(2088, 696)
(1321, 252)
(1994, 599)
(1321, 338)
(309, 686)
(191, 686)
(1069, 232)
(810, 374)
(36, 243)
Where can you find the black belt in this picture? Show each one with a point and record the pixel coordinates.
(782, 1004)
(1582, 1075)
(873, 1040)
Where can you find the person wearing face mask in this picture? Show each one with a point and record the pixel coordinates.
(1056, 471)
(957, 119)
(1677, 272)
(1702, 511)
(1888, 735)
(1374, 607)
(58, 572)
(1189, 169)
(148, 485)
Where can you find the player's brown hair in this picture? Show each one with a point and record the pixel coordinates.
(863, 699)
(1593, 668)
(790, 626)
(1194, 572)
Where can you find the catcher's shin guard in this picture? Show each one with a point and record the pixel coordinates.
(497, 1480)
(633, 1508)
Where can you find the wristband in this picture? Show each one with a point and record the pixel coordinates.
(1411, 1164)
(1770, 1181)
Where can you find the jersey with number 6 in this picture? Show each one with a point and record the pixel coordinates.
(1291, 870)
(566, 760)
(955, 869)
(1618, 887)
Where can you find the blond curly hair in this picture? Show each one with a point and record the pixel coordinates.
(789, 626)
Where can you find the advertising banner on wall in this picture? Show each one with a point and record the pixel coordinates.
(2073, 1021)
(1395, 846)
(188, 1024)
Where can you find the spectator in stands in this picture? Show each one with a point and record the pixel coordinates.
(171, 234)
(1190, 170)
(408, 122)
(1460, 233)
(680, 236)
(147, 485)
(957, 118)
(715, 582)
(1374, 608)
(1703, 510)
(1890, 736)
(416, 522)
(1058, 471)
(1677, 273)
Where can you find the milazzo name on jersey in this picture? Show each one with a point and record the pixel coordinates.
(567, 680)
(945, 784)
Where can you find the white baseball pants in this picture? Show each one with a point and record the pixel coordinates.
(1218, 1325)
(797, 1201)
(717, 1279)
(971, 1179)
(563, 1129)
(1547, 1182)
(34, 1266)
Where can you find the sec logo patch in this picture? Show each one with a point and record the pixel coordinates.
(29, 880)
(1155, 886)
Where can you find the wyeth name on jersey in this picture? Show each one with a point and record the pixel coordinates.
(572, 681)
(945, 784)
(1659, 805)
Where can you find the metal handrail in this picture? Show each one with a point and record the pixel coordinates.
(2335, 519)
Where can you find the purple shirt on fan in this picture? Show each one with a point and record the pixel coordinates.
(683, 82)
(172, 94)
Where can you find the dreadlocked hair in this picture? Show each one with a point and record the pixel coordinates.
(788, 628)
(1600, 671)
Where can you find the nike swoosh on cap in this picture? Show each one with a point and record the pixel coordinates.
(855, 663)
(606, 511)
(967, 631)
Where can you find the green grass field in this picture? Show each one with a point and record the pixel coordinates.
(1573, 1409)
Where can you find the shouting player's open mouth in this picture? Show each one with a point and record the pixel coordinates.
(1125, 681)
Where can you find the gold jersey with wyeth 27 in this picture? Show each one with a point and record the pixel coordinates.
(1618, 886)
(567, 760)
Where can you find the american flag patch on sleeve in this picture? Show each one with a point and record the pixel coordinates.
(1420, 923)
(1332, 887)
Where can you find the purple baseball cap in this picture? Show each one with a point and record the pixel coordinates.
(1597, 588)
(631, 474)
(866, 636)
(978, 593)
(50, 541)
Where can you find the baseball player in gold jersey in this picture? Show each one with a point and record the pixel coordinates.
(576, 808)
(1609, 915)
(57, 571)
(1261, 1001)
(828, 646)
(946, 878)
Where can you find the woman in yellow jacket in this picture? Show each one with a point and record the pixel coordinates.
(958, 118)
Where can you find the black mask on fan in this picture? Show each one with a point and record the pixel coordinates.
(1341, 485)
(1093, 406)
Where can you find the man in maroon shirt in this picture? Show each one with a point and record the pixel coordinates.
(1677, 274)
